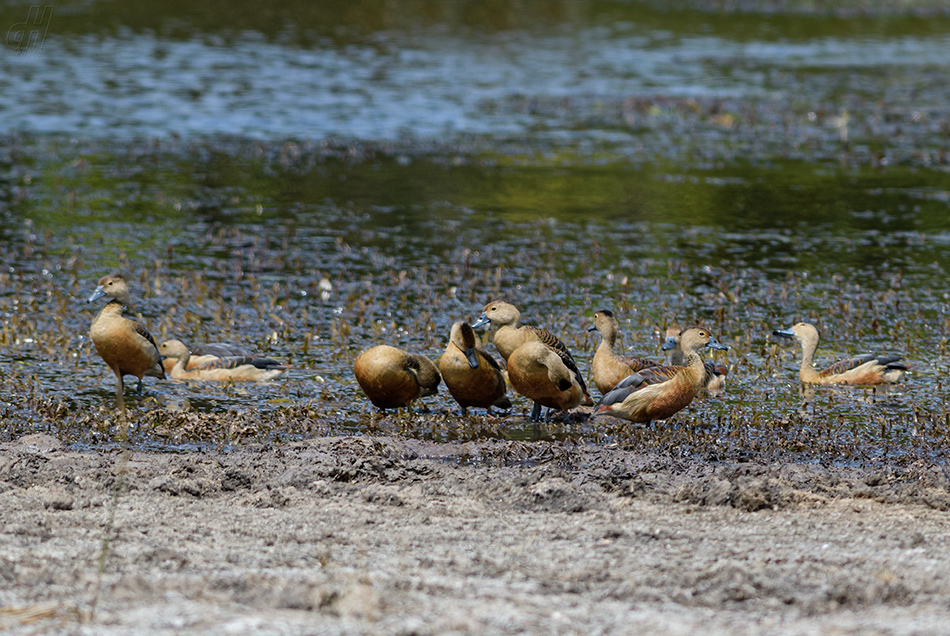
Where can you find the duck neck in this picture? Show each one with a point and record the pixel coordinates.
(182, 364)
(695, 368)
(807, 372)
(113, 308)
(608, 337)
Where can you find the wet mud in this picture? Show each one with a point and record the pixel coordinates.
(390, 535)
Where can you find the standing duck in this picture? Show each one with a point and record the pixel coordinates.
(222, 369)
(539, 373)
(657, 393)
(607, 367)
(865, 370)
(472, 376)
(392, 378)
(509, 336)
(125, 345)
(715, 383)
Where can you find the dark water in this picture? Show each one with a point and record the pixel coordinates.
(309, 182)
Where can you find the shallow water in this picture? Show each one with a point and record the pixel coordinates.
(308, 191)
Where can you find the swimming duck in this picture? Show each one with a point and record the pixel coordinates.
(222, 369)
(125, 345)
(607, 367)
(657, 393)
(509, 336)
(715, 382)
(866, 369)
(539, 373)
(205, 353)
(392, 378)
(472, 376)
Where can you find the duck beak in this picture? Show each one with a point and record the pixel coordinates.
(96, 295)
(670, 343)
(715, 344)
(784, 333)
(472, 357)
(482, 320)
(592, 328)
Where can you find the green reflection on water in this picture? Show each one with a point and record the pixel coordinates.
(340, 22)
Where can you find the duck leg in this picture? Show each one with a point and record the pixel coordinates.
(536, 413)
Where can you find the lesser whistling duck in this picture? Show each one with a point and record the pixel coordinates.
(472, 376)
(221, 369)
(392, 378)
(607, 367)
(509, 336)
(539, 373)
(715, 382)
(205, 353)
(866, 369)
(672, 388)
(125, 345)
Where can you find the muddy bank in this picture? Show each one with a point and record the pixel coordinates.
(385, 535)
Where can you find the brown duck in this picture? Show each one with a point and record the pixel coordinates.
(607, 367)
(392, 378)
(537, 372)
(865, 370)
(510, 335)
(715, 382)
(205, 353)
(472, 376)
(221, 369)
(657, 393)
(125, 345)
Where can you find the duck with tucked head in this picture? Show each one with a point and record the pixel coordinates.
(657, 393)
(392, 378)
(220, 369)
(510, 335)
(539, 373)
(472, 376)
(863, 370)
(205, 353)
(715, 383)
(125, 345)
(607, 367)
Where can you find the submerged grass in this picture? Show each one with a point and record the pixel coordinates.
(313, 282)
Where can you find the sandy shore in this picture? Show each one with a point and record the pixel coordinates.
(389, 536)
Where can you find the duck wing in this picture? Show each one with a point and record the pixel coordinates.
(220, 350)
(233, 362)
(142, 331)
(638, 364)
(845, 365)
(559, 348)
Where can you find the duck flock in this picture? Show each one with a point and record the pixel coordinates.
(536, 364)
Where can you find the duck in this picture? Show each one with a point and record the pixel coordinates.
(510, 335)
(861, 370)
(473, 377)
(206, 353)
(221, 369)
(607, 367)
(392, 378)
(715, 383)
(657, 393)
(124, 344)
(539, 373)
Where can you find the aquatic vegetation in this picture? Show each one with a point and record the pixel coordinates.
(312, 283)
